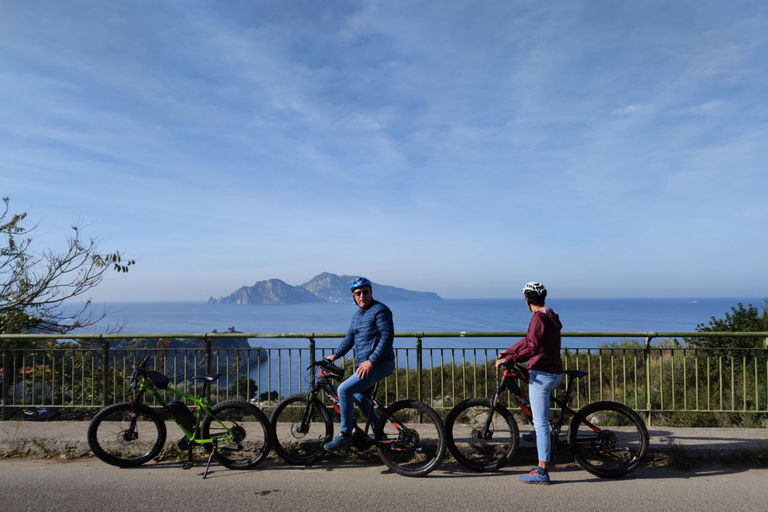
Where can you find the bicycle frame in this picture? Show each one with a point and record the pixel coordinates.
(509, 379)
(145, 386)
(409, 436)
(325, 383)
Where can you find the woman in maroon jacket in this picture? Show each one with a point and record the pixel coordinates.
(541, 348)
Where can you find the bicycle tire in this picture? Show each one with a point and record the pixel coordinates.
(618, 448)
(112, 441)
(250, 428)
(463, 429)
(293, 446)
(409, 445)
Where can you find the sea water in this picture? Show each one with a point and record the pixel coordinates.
(286, 375)
(448, 315)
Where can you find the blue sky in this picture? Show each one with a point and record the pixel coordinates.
(607, 149)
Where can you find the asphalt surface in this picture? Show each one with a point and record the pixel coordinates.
(339, 485)
(61, 483)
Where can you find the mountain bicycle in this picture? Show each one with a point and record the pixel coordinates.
(234, 432)
(409, 435)
(607, 439)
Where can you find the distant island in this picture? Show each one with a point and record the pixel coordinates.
(325, 287)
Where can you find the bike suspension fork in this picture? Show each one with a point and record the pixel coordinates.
(130, 432)
(306, 417)
(494, 400)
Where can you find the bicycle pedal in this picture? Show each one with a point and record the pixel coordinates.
(188, 465)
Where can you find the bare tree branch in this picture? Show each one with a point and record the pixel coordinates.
(33, 286)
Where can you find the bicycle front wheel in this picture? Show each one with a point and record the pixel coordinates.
(410, 438)
(476, 446)
(300, 427)
(608, 439)
(241, 431)
(126, 434)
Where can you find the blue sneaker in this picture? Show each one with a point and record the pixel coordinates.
(530, 437)
(536, 476)
(340, 442)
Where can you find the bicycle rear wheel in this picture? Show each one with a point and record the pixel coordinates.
(410, 438)
(297, 441)
(473, 445)
(242, 431)
(126, 434)
(608, 439)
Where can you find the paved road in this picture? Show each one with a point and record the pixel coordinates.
(338, 485)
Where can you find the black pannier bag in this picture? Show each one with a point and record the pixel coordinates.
(159, 380)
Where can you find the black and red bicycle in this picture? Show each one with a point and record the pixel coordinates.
(409, 435)
(608, 439)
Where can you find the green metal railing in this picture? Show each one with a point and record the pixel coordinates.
(651, 375)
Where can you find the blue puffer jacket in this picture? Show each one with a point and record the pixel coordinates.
(371, 334)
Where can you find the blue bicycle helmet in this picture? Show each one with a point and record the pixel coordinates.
(359, 283)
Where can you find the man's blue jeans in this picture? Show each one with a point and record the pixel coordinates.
(540, 388)
(350, 394)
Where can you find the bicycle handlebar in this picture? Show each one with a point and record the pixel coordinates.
(324, 363)
(329, 367)
(140, 369)
(517, 370)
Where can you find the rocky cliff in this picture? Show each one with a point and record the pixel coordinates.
(272, 291)
(323, 287)
(333, 288)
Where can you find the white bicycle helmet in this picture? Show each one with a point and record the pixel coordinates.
(534, 287)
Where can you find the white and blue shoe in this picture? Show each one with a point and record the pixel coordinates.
(536, 476)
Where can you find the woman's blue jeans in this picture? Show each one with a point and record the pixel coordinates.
(540, 388)
(350, 394)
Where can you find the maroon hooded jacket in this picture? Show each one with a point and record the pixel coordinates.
(541, 346)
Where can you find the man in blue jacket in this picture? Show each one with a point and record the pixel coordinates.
(371, 333)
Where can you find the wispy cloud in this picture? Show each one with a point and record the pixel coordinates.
(467, 130)
(629, 109)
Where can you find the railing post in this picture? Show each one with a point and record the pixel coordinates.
(105, 371)
(419, 368)
(312, 348)
(647, 355)
(208, 362)
(6, 381)
(311, 359)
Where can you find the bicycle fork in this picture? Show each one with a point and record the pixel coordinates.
(130, 433)
(303, 427)
(487, 432)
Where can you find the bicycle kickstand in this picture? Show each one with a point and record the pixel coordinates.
(210, 456)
